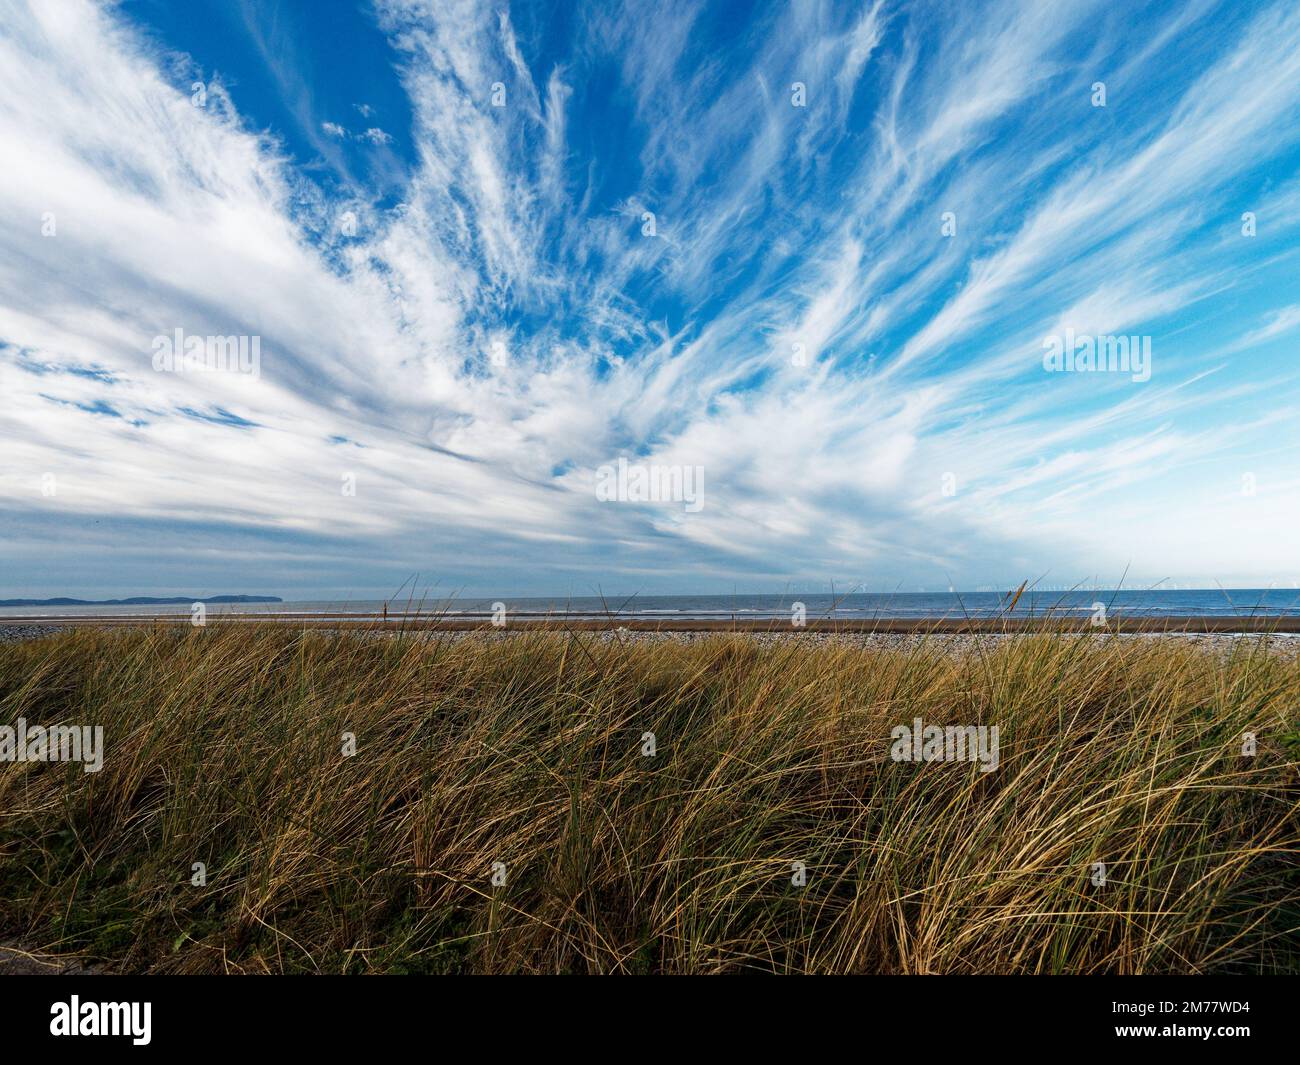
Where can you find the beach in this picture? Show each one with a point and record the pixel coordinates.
(1276, 635)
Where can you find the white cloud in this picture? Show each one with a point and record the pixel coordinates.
(775, 228)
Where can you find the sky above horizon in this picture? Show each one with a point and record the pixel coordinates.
(805, 260)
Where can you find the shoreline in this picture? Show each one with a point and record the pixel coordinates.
(950, 640)
(1281, 625)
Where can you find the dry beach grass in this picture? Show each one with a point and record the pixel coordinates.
(224, 746)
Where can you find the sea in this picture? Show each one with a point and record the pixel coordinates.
(1164, 602)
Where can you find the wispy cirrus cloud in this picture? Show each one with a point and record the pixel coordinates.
(815, 254)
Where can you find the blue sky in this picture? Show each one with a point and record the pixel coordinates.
(813, 250)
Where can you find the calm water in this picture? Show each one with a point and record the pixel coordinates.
(1213, 603)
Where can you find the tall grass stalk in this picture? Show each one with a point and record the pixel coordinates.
(224, 746)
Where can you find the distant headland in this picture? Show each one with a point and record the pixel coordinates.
(142, 600)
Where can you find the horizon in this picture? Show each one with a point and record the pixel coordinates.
(554, 297)
(621, 596)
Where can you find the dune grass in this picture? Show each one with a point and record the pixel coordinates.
(224, 746)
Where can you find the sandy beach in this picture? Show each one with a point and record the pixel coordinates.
(1277, 637)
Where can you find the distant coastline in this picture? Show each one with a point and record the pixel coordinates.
(1094, 605)
(142, 600)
